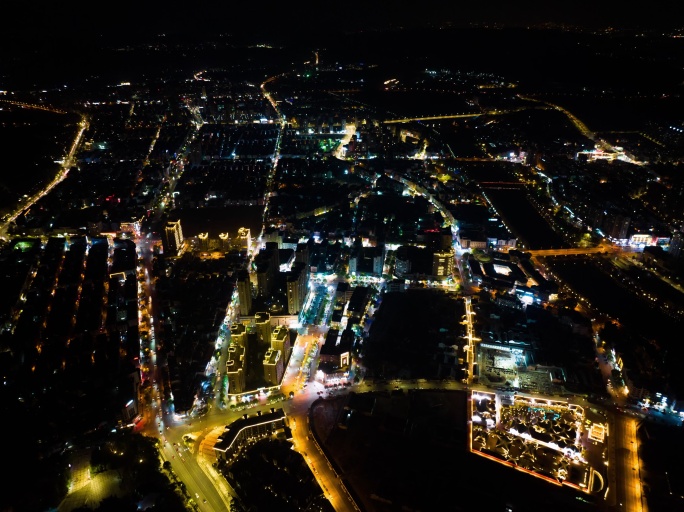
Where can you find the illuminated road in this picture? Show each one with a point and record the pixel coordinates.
(470, 347)
(304, 443)
(627, 464)
(583, 128)
(574, 251)
(350, 130)
(68, 162)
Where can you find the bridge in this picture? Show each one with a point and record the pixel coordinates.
(35, 106)
(429, 118)
(494, 112)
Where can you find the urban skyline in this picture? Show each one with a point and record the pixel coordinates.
(452, 237)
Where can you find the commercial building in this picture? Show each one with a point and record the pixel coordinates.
(335, 357)
(336, 349)
(242, 430)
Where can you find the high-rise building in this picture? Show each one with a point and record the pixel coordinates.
(244, 287)
(244, 238)
(235, 369)
(265, 277)
(280, 339)
(238, 335)
(267, 267)
(173, 238)
(262, 322)
(274, 235)
(443, 264)
(676, 244)
(271, 250)
(367, 260)
(273, 366)
(297, 287)
(203, 241)
(224, 242)
(353, 263)
(302, 253)
(616, 225)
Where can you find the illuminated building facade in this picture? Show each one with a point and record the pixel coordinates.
(243, 429)
(262, 322)
(273, 366)
(442, 264)
(203, 241)
(224, 242)
(238, 335)
(235, 369)
(297, 287)
(244, 238)
(173, 238)
(244, 287)
(280, 339)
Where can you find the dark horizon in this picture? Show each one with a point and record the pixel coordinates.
(53, 22)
